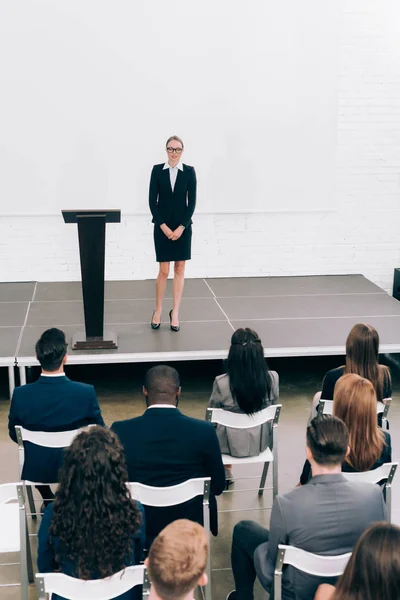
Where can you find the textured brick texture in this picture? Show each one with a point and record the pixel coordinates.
(361, 234)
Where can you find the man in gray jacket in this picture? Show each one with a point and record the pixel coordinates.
(326, 516)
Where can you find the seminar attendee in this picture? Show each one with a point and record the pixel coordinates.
(373, 571)
(93, 528)
(247, 387)
(172, 200)
(163, 447)
(52, 403)
(177, 561)
(362, 356)
(326, 517)
(354, 401)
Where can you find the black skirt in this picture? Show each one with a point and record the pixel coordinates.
(171, 251)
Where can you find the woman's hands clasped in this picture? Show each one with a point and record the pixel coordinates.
(172, 235)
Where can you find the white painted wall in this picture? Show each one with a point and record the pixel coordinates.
(355, 228)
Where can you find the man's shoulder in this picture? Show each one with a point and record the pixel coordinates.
(126, 424)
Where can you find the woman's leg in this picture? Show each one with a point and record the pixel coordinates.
(161, 284)
(179, 282)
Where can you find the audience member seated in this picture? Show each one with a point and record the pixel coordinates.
(373, 571)
(163, 447)
(355, 403)
(362, 355)
(247, 387)
(326, 517)
(93, 528)
(52, 403)
(177, 561)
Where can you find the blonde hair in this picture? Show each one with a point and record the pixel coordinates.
(176, 138)
(362, 353)
(354, 401)
(177, 559)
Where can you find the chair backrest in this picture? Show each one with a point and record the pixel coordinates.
(9, 491)
(58, 439)
(325, 407)
(313, 564)
(385, 473)
(243, 421)
(95, 589)
(171, 495)
(13, 520)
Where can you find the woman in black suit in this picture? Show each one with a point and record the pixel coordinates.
(172, 200)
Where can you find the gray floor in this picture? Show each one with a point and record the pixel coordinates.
(295, 316)
(118, 388)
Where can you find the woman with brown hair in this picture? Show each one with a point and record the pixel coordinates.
(354, 402)
(373, 571)
(362, 358)
(93, 528)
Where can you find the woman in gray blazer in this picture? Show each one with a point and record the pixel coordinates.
(247, 387)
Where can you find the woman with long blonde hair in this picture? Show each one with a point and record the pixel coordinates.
(355, 403)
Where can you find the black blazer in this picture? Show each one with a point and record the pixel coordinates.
(50, 404)
(172, 207)
(164, 447)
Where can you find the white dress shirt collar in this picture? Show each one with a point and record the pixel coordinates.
(161, 406)
(52, 374)
(168, 166)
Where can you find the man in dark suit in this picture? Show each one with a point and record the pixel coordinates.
(52, 403)
(326, 516)
(163, 447)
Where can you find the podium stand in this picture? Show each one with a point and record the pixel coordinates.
(92, 240)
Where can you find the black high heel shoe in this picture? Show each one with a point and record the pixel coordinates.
(173, 327)
(154, 325)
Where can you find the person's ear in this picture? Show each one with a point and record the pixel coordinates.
(309, 456)
(203, 580)
(347, 451)
(64, 360)
(145, 392)
(146, 562)
(178, 393)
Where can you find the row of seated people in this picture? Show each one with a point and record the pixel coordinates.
(39, 408)
(93, 528)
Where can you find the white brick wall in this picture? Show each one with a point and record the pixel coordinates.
(361, 234)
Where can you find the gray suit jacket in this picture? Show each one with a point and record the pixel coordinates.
(246, 442)
(326, 516)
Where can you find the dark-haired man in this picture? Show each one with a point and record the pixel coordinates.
(326, 516)
(52, 403)
(163, 447)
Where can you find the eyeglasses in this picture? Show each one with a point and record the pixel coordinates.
(171, 150)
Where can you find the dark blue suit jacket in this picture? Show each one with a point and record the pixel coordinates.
(51, 404)
(163, 447)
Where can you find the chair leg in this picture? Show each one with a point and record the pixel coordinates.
(31, 502)
(263, 479)
(29, 565)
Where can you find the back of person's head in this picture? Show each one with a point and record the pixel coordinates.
(177, 560)
(362, 354)
(51, 349)
(354, 401)
(161, 385)
(94, 516)
(249, 378)
(373, 571)
(327, 440)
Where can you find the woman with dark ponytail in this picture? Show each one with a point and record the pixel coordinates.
(247, 387)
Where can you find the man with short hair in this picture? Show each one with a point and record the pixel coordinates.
(177, 561)
(326, 516)
(163, 447)
(52, 403)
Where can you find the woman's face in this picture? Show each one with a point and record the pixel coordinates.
(174, 152)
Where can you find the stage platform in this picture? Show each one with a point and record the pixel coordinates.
(294, 316)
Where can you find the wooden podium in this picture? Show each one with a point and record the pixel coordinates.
(92, 240)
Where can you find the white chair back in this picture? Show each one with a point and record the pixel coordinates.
(172, 495)
(241, 420)
(59, 439)
(13, 532)
(313, 564)
(325, 407)
(95, 589)
(386, 473)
